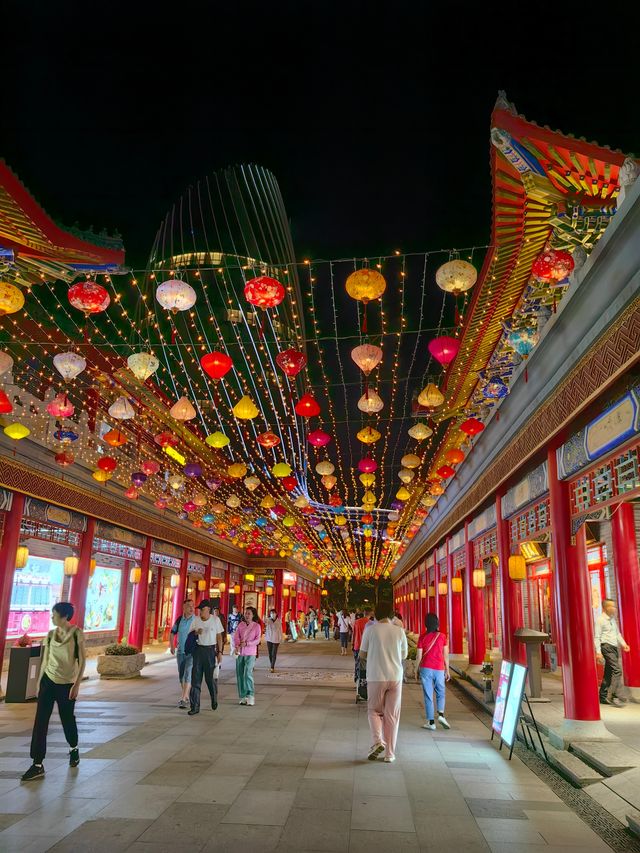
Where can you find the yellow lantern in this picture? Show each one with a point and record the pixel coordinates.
(442, 588)
(92, 567)
(22, 556)
(102, 476)
(217, 440)
(456, 277)
(431, 396)
(517, 567)
(369, 435)
(268, 590)
(432, 592)
(237, 470)
(325, 468)
(182, 410)
(340, 520)
(267, 502)
(251, 483)
(427, 500)
(329, 482)
(135, 575)
(367, 533)
(236, 589)
(420, 432)
(202, 585)
(11, 298)
(369, 499)
(285, 592)
(367, 479)
(423, 593)
(456, 584)
(281, 469)
(245, 409)
(233, 501)
(17, 431)
(479, 578)
(71, 566)
(301, 502)
(250, 578)
(406, 475)
(288, 521)
(222, 586)
(324, 592)
(199, 500)
(403, 494)
(142, 365)
(410, 460)
(365, 285)
(282, 553)
(437, 489)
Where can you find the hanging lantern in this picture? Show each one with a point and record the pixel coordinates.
(88, 297)
(217, 508)
(329, 482)
(189, 506)
(131, 493)
(175, 581)
(150, 467)
(176, 295)
(318, 438)
(444, 349)
(268, 439)
(107, 463)
(6, 362)
(216, 365)
(427, 500)
(495, 389)
(288, 521)
(264, 292)
(6, 406)
(285, 592)
(454, 456)
(237, 470)
(369, 499)
(367, 479)
(436, 489)
(245, 409)
(420, 431)
(456, 277)
(367, 465)
(479, 578)
(17, 431)
(281, 469)
(369, 435)
(233, 501)
(340, 521)
(176, 482)
(370, 403)
(517, 567)
(71, 566)
(165, 439)
(523, 340)
(367, 357)
(138, 478)
(22, 556)
(114, 438)
(325, 468)
(431, 397)
(471, 427)
(267, 502)
(393, 516)
(553, 265)
(11, 298)
(442, 588)
(121, 410)
(200, 500)
(182, 410)
(301, 502)
(69, 364)
(410, 460)
(445, 471)
(431, 591)
(193, 470)
(251, 483)
(217, 439)
(406, 475)
(289, 483)
(143, 365)
(61, 407)
(307, 407)
(456, 584)
(365, 285)
(403, 494)
(291, 362)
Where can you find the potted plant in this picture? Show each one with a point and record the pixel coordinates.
(409, 665)
(120, 660)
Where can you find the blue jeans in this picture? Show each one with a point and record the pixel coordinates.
(325, 628)
(185, 665)
(432, 678)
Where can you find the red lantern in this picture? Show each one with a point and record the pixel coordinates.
(367, 519)
(454, 456)
(291, 361)
(114, 438)
(279, 510)
(318, 438)
(216, 365)
(444, 349)
(150, 467)
(166, 439)
(553, 265)
(61, 407)
(89, 297)
(307, 510)
(107, 463)
(264, 292)
(131, 493)
(65, 458)
(367, 465)
(335, 500)
(6, 405)
(472, 426)
(289, 483)
(445, 471)
(307, 406)
(268, 439)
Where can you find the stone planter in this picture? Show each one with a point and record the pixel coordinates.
(409, 667)
(120, 666)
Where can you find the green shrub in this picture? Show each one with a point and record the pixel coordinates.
(121, 649)
(412, 653)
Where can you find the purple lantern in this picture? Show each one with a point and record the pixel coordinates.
(192, 469)
(138, 478)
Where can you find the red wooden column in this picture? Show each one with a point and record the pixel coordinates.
(450, 594)
(159, 597)
(140, 599)
(10, 542)
(625, 557)
(80, 581)
(180, 592)
(573, 595)
(510, 594)
(122, 610)
(442, 609)
(475, 606)
(456, 643)
(433, 600)
(224, 598)
(207, 579)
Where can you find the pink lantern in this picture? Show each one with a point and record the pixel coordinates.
(318, 438)
(367, 465)
(444, 349)
(131, 493)
(189, 506)
(61, 407)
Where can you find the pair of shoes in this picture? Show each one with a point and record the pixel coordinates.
(242, 702)
(251, 700)
(273, 669)
(214, 706)
(375, 751)
(443, 721)
(183, 704)
(389, 759)
(616, 703)
(74, 757)
(193, 711)
(430, 726)
(36, 771)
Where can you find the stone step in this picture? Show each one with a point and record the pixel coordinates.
(605, 757)
(566, 763)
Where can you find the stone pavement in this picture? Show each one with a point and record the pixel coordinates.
(289, 774)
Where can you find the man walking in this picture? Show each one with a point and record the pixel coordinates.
(61, 672)
(383, 648)
(235, 618)
(207, 652)
(177, 638)
(358, 629)
(313, 623)
(609, 641)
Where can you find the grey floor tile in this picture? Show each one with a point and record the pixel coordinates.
(115, 833)
(265, 808)
(368, 841)
(382, 814)
(176, 773)
(183, 826)
(316, 829)
(324, 794)
(228, 838)
(446, 832)
(270, 778)
(511, 809)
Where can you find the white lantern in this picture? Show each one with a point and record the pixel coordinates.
(370, 403)
(176, 481)
(121, 410)
(6, 362)
(176, 295)
(233, 501)
(69, 364)
(410, 460)
(367, 357)
(325, 468)
(406, 475)
(420, 432)
(183, 410)
(142, 365)
(456, 277)
(301, 502)
(252, 483)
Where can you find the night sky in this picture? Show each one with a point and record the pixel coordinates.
(376, 124)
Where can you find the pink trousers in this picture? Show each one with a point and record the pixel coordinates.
(383, 710)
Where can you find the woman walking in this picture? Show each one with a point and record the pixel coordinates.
(432, 665)
(326, 621)
(344, 623)
(247, 637)
(273, 633)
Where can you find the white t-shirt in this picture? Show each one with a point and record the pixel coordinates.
(211, 627)
(343, 623)
(386, 648)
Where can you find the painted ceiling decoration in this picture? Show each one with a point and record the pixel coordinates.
(312, 409)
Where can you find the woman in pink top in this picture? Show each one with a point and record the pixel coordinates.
(246, 639)
(432, 664)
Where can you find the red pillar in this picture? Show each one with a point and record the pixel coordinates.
(80, 581)
(433, 600)
(573, 596)
(625, 557)
(10, 542)
(140, 600)
(207, 579)
(510, 594)
(159, 596)
(456, 644)
(450, 594)
(224, 598)
(475, 606)
(180, 592)
(124, 586)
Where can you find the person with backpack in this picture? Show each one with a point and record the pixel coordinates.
(432, 668)
(205, 643)
(61, 671)
(177, 638)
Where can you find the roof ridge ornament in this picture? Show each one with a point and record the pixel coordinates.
(502, 103)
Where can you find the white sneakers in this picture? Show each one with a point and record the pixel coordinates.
(389, 759)
(251, 700)
(443, 721)
(430, 726)
(242, 702)
(375, 751)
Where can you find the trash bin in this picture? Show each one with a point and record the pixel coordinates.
(24, 671)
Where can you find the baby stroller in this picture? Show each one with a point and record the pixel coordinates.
(361, 682)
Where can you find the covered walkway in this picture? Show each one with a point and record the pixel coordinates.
(289, 774)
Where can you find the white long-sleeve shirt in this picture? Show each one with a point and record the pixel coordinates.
(607, 632)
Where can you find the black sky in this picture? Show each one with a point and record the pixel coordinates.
(376, 123)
